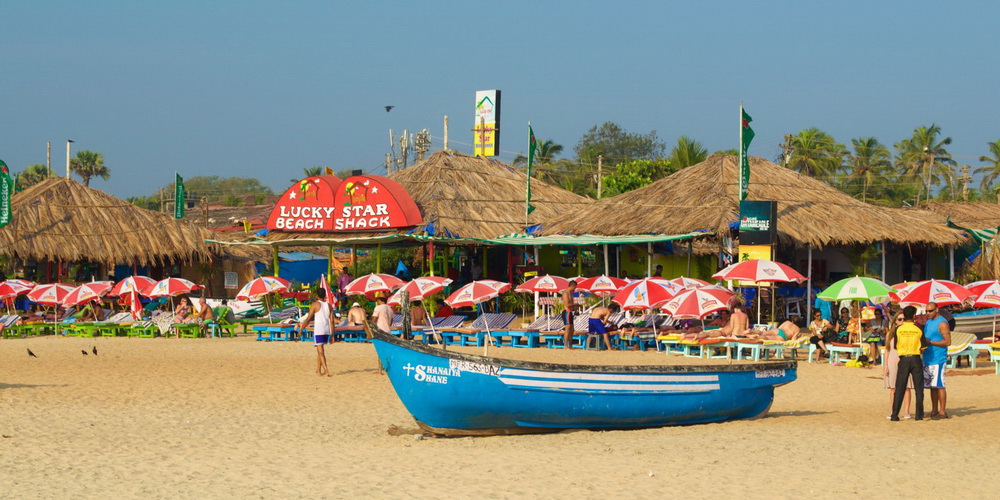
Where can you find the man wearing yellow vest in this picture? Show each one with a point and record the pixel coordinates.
(909, 340)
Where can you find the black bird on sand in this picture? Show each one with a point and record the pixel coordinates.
(95, 350)
(389, 108)
(31, 354)
(83, 352)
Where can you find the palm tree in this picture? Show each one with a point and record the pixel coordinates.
(992, 170)
(32, 175)
(817, 154)
(869, 162)
(545, 152)
(924, 159)
(687, 152)
(313, 171)
(89, 164)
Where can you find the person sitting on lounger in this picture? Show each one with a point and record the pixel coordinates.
(205, 314)
(597, 325)
(356, 315)
(91, 312)
(739, 322)
(418, 317)
(182, 310)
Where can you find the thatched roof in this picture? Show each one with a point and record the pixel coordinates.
(470, 197)
(973, 215)
(61, 219)
(704, 197)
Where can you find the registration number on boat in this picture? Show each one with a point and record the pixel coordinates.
(769, 373)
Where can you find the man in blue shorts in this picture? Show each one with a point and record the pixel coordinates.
(569, 306)
(938, 334)
(597, 324)
(322, 312)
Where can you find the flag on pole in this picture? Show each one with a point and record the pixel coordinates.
(532, 144)
(746, 135)
(330, 297)
(179, 200)
(328, 171)
(6, 192)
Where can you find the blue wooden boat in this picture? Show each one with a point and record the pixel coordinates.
(450, 393)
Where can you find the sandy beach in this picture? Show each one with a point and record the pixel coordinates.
(236, 418)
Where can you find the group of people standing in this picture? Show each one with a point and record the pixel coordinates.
(917, 357)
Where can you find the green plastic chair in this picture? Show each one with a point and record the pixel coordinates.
(222, 323)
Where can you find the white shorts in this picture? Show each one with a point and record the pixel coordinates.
(934, 376)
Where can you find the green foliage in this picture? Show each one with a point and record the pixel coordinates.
(636, 174)
(731, 152)
(687, 152)
(870, 164)
(544, 153)
(89, 164)
(32, 175)
(390, 256)
(147, 202)
(259, 198)
(816, 154)
(924, 160)
(617, 145)
(313, 171)
(991, 171)
(217, 189)
(231, 200)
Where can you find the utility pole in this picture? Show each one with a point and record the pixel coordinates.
(388, 164)
(600, 175)
(404, 147)
(446, 132)
(786, 149)
(68, 142)
(392, 150)
(965, 182)
(421, 144)
(48, 158)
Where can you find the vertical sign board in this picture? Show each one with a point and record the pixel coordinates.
(758, 222)
(486, 131)
(231, 280)
(6, 191)
(180, 199)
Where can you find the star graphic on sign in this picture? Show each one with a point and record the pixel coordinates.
(374, 189)
(292, 195)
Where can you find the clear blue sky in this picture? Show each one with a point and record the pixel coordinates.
(264, 89)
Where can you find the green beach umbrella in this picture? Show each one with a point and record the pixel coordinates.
(856, 288)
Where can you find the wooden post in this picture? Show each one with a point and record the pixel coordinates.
(354, 259)
(431, 255)
(404, 306)
(378, 258)
(485, 274)
(690, 251)
(649, 259)
(579, 261)
(600, 176)
(951, 263)
(445, 136)
(276, 265)
(809, 281)
(329, 265)
(606, 269)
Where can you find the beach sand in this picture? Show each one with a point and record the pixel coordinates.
(236, 418)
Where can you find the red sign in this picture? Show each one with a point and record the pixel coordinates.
(358, 203)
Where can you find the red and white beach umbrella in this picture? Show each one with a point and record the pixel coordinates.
(51, 294)
(988, 294)
(132, 283)
(170, 287)
(601, 285)
(977, 287)
(645, 292)
(87, 292)
(698, 302)
(476, 292)
(759, 270)
(135, 306)
(941, 292)
(262, 286)
(420, 288)
(371, 284)
(547, 283)
(686, 282)
(15, 287)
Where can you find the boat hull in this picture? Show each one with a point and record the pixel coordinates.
(452, 393)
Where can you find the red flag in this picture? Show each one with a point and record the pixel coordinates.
(330, 298)
(136, 306)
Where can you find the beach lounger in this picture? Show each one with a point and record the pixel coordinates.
(547, 323)
(492, 324)
(961, 346)
(995, 355)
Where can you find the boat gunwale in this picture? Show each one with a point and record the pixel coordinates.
(375, 333)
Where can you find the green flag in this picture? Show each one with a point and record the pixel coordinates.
(746, 135)
(179, 201)
(6, 191)
(532, 144)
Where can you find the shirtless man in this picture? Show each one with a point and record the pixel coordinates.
(205, 314)
(738, 324)
(599, 321)
(356, 315)
(789, 330)
(570, 308)
(418, 317)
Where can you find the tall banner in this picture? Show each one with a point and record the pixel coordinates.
(486, 131)
(746, 135)
(532, 145)
(179, 201)
(6, 191)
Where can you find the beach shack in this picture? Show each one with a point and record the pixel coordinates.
(61, 230)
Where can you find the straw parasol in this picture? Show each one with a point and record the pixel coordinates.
(704, 197)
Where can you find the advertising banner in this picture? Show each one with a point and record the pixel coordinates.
(486, 129)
